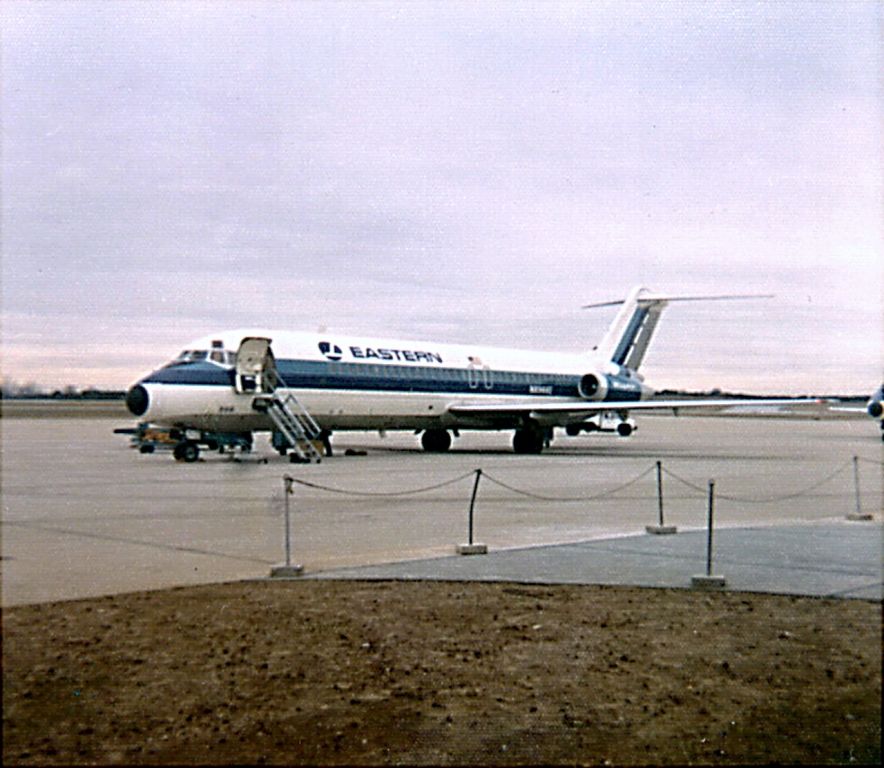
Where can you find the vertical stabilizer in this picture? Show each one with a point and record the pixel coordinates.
(628, 337)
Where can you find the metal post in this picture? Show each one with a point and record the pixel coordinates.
(708, 581)
(473, 504)
(471, 548)
(660, 490)
(288, 569)
(660, 527)
(859, 510)
(709, 535)
(288, 527)
(859, 514)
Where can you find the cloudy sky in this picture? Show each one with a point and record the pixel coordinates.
(459, 172)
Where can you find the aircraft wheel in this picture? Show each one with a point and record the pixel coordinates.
(528, 441)
(436, 440)
(187, 451)
(624, 429)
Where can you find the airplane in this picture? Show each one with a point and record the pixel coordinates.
(874, 408)
(303, 386)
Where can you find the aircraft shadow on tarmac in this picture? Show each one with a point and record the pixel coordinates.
(600, 452)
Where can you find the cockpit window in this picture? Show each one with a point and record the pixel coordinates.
(218, 356)
(192, 356)
(189, 356)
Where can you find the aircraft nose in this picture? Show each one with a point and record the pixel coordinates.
(137, 400)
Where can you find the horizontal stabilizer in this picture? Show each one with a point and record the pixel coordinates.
(650, 299)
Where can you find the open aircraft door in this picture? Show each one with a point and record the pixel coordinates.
(255, 367)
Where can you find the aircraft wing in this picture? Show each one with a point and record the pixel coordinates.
(848, 409)
(590, 408)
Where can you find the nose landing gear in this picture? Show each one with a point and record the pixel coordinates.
(187, 451)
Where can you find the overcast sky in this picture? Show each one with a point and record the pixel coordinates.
(457, 172)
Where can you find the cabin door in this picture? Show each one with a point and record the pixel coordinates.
(255, 367)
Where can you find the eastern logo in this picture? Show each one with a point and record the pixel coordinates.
(334, 353)
(331, 351)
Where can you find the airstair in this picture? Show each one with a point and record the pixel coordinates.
(293, 422)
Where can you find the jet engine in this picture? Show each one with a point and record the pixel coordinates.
(593, 386)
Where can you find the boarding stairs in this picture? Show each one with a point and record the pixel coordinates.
(294, 422)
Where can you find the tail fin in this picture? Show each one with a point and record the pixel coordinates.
(628, 337)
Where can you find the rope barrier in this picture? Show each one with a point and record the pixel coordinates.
(681, 480)
(410, 492)
(767, 499)
(593, 497)
(568, 498)
(472, 548)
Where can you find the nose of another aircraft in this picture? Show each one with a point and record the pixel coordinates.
(137, 400)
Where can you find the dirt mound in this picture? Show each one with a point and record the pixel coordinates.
(441, 673)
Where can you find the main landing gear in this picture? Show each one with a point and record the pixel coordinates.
(530, 440)
(436, 440)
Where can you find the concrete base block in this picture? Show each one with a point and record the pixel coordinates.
(472, 549)
(853, 517)
(286, 571)
(661, 530)
(708, 582)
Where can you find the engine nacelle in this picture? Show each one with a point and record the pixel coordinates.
(593, 386)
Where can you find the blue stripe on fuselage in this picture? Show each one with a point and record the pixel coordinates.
(192, 373)
(308, 374)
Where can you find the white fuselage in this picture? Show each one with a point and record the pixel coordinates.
(351, 383)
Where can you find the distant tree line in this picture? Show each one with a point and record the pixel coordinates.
(677, 394)
(13, 390)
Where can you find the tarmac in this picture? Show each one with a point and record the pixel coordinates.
(826, 559)
(84, 515)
